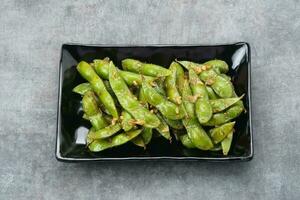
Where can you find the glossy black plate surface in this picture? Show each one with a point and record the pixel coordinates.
(72, 129)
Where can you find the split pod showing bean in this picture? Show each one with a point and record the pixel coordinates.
(138, 101)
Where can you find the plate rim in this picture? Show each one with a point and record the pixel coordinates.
(61, 158)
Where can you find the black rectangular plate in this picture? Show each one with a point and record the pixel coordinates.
(72, 129)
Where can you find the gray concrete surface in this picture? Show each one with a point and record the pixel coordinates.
(31, 34)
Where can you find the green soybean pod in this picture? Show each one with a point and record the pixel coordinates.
(125, 121)
(99, 145)
(105, 132)
(97, 121)
(144, 68)
(186, 141)
(89, 104)
(92, 112)
(219, 133)
(135, 79)
(203, 108)
(147, 135)
(198, 68)
(197, 134)
(179, 78)
(187, 97)
(163, 128)
(129, 102)
(138, 141)
(102, 68)
(221, 86)
(142, 98)
(98, 86)
(167, 108)
(185, 92)
(170, 85)
(211, 94)
(219, 105)
(226, 143)
(117, 140)
(82, 88)
(227, 115)
(219, 66)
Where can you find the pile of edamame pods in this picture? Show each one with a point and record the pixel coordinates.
(194, 102)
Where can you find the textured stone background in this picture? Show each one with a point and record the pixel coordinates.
(31, 34)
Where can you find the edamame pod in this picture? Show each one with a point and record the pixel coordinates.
(226, 116)
(219, 66)
(125, 121)
(102, 67)
(219, 133)
(105, 132)
(89, 104)
(221, 86)
(135, 79)
(186, 93)
(186, 141)
(167, 108)
(129, 102)
(219, 105)
(117, 140)
(197, 134)
(138, 141)
(170, 85)
(98, 86)
(147, 135)
(203, 108)
(92, 112)
(179, 78)
(82, 88)
(226, 143)
(231, 113)
(211, 94)
(198, 68)
(97, 121)
(144, 68)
